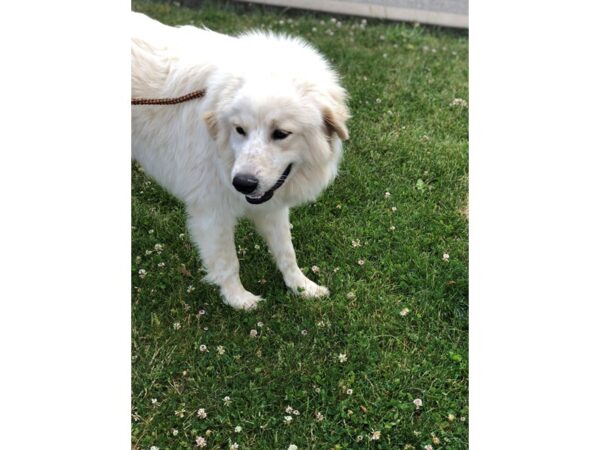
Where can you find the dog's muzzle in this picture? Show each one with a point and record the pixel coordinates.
(257, 200)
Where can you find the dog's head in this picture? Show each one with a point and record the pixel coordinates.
(280, 133)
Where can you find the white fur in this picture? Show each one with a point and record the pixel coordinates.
(257, 81)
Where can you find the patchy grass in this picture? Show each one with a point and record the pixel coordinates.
(400, 319)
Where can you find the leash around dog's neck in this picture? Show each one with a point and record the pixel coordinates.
(169, 101)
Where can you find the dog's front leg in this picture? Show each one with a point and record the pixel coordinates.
(275, 229)
(214, 237)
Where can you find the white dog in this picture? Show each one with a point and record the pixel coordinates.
(266, 136)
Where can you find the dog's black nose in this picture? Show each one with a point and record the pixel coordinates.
(245, 183)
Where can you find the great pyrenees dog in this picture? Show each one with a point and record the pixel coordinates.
(267, 135)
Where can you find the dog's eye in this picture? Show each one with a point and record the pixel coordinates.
(240, 130)
(280, 134)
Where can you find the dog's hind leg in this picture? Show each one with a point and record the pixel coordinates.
(275, 229)
(214, 237)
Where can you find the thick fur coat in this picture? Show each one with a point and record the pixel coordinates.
(266, 136)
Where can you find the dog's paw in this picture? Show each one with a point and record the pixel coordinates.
(314, 291)
(245, 300)
(309, 289)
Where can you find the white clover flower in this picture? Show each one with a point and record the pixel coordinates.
(315, 269)
(320, 323)
(459, 102)
(296, 412)
(201, 413)
(287, 420)
(451, 417)
(404, 312)
(154, 447)
(446, 257)
(429, 447)
(387, 195)
(182, 236)
(359, 438)
(392, 228)
(200, 441)
(161, 264)
(260, 324)
(153, 401)
(174, 432)
(350, 295)
(376, 435)
(203, 348)
(158, 248)
(418, 402)
(234, 446)
(227, 400)
(355, 243)
(293, 447)
(253, 333)
(319, 416)
(289, 409)
(361, 262)
(257, 247)
(394, 209)
(342, 357)
(304, 332)
(201, 313)
(176, 326)
(142, 273)
(190, 289)
(349, 391)
(220, 349)
(150, 231)
(436, 440)
(237, 429)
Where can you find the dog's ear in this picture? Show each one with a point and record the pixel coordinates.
(335, 121)
(335, 112)
(210, 118)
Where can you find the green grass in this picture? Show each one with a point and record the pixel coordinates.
(406, 139)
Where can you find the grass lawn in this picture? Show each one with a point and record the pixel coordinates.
(398, 309)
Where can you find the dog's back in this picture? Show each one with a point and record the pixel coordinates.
(171, 61)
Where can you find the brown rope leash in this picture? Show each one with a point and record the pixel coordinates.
(169, 101)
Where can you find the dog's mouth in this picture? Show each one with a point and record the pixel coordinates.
(262, 198)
